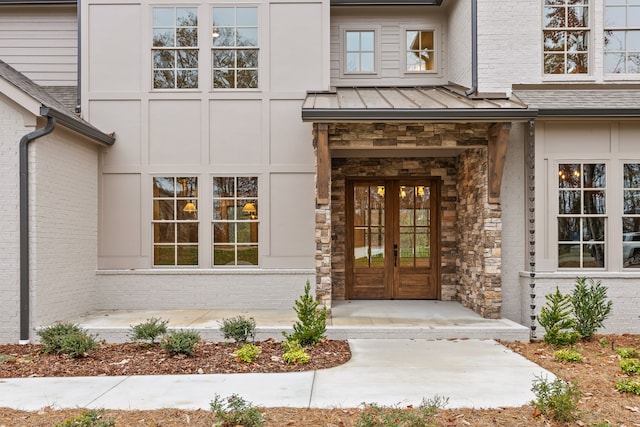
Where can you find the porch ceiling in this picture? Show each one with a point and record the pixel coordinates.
(428, 103)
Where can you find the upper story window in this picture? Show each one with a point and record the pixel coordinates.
(631, 216)
(622, 36)
(582, 215)
(235, 220)
(235, 47)
(420, 51)
(175, 47)
(175, 221)
(360, 51)
(566, 36)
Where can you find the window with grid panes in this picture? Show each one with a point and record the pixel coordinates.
(566, 36)
(175, 48)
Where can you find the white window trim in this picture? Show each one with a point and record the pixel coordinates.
(616, 76)
(437, 49)
(377, 52)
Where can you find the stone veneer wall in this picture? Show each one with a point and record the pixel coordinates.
(470, 237)
(480, 226)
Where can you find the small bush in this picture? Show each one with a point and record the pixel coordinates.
(567, 355)
(248, 353)
(422, 416)
(312, 322)
(149, 331)
(590, 306)
(557, 399)
(235, 411)
(89, 418)
(180, 342)
(630, 366)
(6, 358)
(627, 385)
(627, 353)
(555, 318)
(66, 338)
(294, 353)
(238, 328)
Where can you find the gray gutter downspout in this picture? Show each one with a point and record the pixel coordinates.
(24, 224)
(79, 72)
(474, 49)
(53, 117)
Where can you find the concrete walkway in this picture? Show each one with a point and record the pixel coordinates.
(470, 373)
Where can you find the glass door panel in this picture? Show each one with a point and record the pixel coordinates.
(368, 225)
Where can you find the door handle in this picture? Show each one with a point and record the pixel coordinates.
(395, 255)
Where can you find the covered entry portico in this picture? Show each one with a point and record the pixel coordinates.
(373, 145)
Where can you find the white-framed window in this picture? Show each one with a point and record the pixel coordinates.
(175, 47)
(622, 36)
(235, 49)
(360, 52)
(582, 215)
(631, 215)
(566, 35)
(235, 220)
(175, 221)
(420, 50)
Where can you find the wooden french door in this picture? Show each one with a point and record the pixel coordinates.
(392, 242)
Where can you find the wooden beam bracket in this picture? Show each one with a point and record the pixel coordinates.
(323, 165)
(497, 152)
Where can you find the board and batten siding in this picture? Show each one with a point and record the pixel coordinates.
(41, 42)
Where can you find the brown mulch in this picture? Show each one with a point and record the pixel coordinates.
(601, 405)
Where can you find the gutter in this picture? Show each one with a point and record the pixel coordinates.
(53, 117)
(79, 59)
(474, 49)
(414, 114)
(589, 112)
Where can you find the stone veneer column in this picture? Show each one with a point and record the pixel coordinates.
(323, 242)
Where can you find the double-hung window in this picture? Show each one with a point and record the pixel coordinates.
(360, 51)
(175, 47)
(582, 215)
(175, 221)
(622, 36)
(566, 36)
(631, 216)
(420, 51)
(235, 48)
(235, 221)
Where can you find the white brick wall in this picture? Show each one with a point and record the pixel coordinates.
(459, 53)
(64, 226)
(509, 43)
(200, 289)
(12, 128)
(623, 291)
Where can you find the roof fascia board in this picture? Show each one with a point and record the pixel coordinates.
(589, 112)
(328, 115)
(20, 97)
(78, 126)
(35, 2)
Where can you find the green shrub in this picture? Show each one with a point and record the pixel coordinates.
(66, 338)
(238, 328)
(627, 385)
(590, 306)
(180, 342)
(149, 330)
(567, 355)
(627, 353)
(557, 399)
(294, 353)
(555, 318)
(630, 366)
(422, 416)
(89, 418)
(235, 411)
(6, 358)
(312, 322)
(248, 353)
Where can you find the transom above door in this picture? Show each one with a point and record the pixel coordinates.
(392, 241)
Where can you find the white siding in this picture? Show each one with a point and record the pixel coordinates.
(41, 42)
(392, 22)
(459, 48)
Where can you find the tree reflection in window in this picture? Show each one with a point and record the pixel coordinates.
(631, 216)
(581, 215)
(566, 36)
(175, 47)
(235, 47)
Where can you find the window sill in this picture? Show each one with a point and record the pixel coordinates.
(203, 271)
(594, 274)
